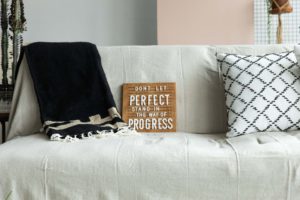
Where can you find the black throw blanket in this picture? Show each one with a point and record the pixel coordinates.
(73, 94)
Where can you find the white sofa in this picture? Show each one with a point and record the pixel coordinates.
(198, 162)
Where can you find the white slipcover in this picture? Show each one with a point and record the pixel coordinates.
(200, 94)
(182, 165)
(176, 166)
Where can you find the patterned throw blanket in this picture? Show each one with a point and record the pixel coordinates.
(73, 94)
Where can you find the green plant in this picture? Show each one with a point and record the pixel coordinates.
(4, 41)
(17, 24)
(12, 26)
(8, 195)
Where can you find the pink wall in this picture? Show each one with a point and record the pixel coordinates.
(205, 22)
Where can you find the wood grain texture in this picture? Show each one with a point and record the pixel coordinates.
(150, 107)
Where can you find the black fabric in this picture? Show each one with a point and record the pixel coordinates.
(70, 85)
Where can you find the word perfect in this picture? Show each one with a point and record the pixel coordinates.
(150, 99)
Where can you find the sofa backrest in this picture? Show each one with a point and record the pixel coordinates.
(200, 95)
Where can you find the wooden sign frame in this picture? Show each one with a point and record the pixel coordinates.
(150, 107)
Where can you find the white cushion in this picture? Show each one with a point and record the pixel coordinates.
(173, 166)
(262, 92)
(297, 52)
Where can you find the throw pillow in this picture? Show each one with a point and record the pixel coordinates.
(262, 92)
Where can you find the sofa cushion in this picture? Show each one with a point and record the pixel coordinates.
(154, 166)
(262, 92)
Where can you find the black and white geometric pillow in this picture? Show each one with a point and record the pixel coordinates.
(262, 92)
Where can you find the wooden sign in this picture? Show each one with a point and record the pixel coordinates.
(150, 107)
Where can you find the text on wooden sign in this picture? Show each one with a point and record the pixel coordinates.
(150, 107)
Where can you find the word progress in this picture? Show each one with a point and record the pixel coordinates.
(150, 107)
